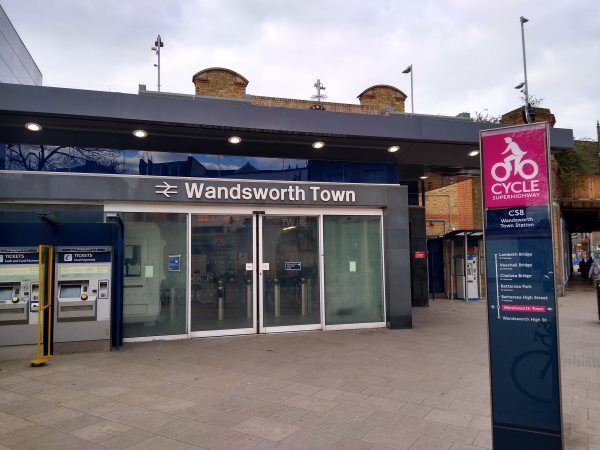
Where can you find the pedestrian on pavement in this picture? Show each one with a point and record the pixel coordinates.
(584, 269)
(594, 272)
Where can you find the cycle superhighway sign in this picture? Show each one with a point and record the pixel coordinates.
(522, 316)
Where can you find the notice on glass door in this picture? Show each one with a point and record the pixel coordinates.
(293, 265)
(174, 263)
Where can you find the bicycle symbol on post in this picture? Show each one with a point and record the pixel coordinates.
(527, 168)
(532, 371)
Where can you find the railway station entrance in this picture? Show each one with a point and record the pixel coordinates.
(226, 271)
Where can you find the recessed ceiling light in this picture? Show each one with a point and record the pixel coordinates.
(318, 144)
(235, 140)
(473, 153)
(32, 126)
(423, 177)
(140, 133)
(393, 149)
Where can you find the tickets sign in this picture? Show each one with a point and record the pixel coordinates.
(514, 167)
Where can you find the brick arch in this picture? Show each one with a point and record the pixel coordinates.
(220, 82)
(382, 88)
(383, 96)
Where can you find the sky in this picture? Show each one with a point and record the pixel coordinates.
(466, 54)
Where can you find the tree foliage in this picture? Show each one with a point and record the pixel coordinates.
(575, 164)
(485, 116)
(534, 100)
(61, 158)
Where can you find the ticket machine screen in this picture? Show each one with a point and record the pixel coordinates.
(6, 293)
(70, 291)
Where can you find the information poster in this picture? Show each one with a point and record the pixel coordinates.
(522, 316)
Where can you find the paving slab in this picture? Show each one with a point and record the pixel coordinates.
(422, 388)
(266, 428)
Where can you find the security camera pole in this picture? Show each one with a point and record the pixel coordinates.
(156, 48)
(598, 141)
(409, 69)
(523, 21)
(319, 87)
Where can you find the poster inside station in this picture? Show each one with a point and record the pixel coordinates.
(523, 338)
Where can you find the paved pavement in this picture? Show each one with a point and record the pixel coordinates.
(425, 388)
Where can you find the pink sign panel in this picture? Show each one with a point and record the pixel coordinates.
(514, 166)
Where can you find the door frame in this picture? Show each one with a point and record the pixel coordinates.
(357, 212)
(226, 331)
(257, 212)
(320, 213)
(208, 209)
(288, 212)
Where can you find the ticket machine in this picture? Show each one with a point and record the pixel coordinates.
(472, 277)
(83, 295)
(18, 295)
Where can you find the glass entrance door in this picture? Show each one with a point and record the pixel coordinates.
(229, 270)
(231, 293)
(289, 273)
(222, 274)
(232, 270)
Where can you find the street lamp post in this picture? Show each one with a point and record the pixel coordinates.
(598, 142)
(409, 69)
(523, 21)
(158, 44)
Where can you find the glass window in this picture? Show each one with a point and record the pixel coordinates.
(291, 284)
(35, 213)
(154, 295)
(353, 269)
(65, 158)
(222, 288)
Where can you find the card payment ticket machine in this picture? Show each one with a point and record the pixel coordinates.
(18, 295)
(83, 294)
(472, 277)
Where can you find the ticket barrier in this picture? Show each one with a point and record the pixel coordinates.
(18, 296)
(83, 297)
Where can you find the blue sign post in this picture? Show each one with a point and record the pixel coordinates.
(522, 316)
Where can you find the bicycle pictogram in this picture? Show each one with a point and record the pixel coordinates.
(514, 164)
(532, 371)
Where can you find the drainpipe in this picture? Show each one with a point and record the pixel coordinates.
(465, 264)
(452, 274)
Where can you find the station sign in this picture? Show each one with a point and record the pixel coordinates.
(291, 193)
(521, 300)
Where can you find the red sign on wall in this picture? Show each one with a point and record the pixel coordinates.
(420, 254)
